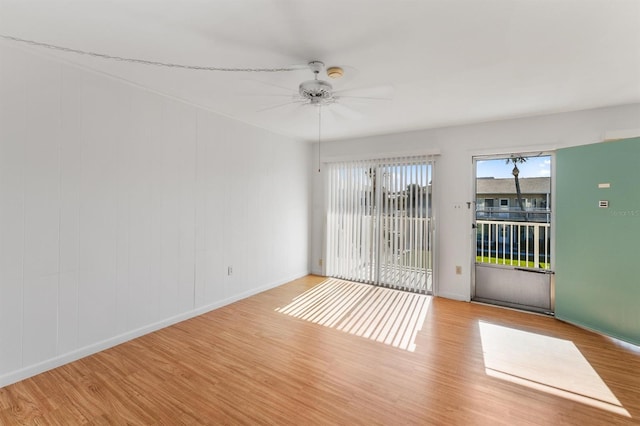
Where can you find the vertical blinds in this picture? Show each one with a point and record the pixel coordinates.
(379, 222)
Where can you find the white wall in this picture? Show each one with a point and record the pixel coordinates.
(120, 211)
(454, 174)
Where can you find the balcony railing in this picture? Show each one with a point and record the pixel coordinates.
(406, 241)
(522, 244)
(402, 243)
(531, 214)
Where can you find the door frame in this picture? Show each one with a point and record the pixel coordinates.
(552, 222)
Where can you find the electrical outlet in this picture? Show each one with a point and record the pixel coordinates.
(458, 270)
(229, 270)
(320, 262)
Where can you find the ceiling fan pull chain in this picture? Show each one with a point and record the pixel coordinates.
(319, 127)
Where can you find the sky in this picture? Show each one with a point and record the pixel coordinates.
(534, 167)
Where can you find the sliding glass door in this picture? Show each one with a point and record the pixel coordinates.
(379, 222)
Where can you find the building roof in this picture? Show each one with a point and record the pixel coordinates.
(536, 185)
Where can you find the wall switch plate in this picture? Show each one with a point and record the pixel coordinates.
(458, 270)
(229, 270)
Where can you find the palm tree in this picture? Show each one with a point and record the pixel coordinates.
(515, 172)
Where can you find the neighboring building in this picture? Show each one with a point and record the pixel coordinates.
(497, 199)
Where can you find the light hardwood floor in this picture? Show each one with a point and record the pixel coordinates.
(329, 356)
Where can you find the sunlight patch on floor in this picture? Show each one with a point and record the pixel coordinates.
(384, 315)
(546, 364)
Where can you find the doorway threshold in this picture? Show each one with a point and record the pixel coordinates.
(513, 307)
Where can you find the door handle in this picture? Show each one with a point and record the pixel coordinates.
(473, 226)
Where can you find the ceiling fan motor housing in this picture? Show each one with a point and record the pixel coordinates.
(316, 91)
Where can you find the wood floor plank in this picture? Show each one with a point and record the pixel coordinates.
(259, 361)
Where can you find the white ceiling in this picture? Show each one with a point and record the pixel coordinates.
(450, 62)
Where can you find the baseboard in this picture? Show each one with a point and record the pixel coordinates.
(634, 345)
(512, 307)
(60, 360)
(316, 272)
(454, 296)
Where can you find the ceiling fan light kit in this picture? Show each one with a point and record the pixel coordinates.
(317, 92)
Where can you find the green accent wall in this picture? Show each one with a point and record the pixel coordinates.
(598, 249)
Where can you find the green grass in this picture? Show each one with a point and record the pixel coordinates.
(409, 259)
(509, 262)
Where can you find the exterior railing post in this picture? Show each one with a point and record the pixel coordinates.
(536, 246)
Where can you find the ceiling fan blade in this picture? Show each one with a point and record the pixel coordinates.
(375, 92)
(267, 95)
(262, 85)
(345, 112)
(276, 106)
(293, 100)
(361, 98)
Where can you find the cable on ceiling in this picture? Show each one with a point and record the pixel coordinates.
(144, 61)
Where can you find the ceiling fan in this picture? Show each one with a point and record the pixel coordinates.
(321, 93)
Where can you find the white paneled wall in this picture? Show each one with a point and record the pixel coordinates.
(121, 210)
